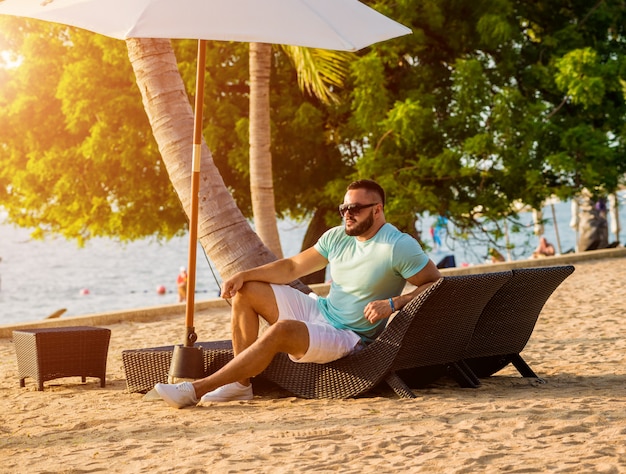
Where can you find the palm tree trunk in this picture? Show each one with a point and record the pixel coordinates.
(223, 231)
(261, 179)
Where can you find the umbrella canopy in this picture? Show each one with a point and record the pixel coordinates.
(345, 25)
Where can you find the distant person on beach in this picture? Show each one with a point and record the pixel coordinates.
(544, 249)
(439, 227)
(181, 283)
(370, 262)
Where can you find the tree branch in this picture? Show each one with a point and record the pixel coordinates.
(558, 107)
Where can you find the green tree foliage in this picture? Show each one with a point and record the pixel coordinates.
(78, 157)
(305, 150)
(489, 103)
(76, 150)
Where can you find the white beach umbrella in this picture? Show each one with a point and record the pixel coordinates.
(344, 25)
(574, 222)
(574, 210)
(614, 215)
(538, 228)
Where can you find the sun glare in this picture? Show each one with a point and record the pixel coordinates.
(8, 60)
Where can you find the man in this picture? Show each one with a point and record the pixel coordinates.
(370, 262)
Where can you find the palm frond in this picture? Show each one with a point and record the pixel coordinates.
(320, 72)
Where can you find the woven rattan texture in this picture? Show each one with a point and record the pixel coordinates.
(146, 367)
(443, 328)
(51, 353)
(508, 320)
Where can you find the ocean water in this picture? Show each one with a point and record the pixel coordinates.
(38, 278)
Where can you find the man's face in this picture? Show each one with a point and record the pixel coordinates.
(358, 223)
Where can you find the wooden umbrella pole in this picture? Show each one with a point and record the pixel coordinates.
(190, 335)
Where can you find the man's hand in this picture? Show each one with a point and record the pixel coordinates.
(231, 286)
(377, 310)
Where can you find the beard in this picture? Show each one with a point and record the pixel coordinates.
(361, 227)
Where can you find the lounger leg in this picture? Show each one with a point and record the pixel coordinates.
(462, 378)
(523, 368)
(469, 372)
(398, 386)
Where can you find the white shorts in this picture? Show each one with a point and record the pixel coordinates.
(326, 342)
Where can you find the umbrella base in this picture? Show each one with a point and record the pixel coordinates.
(187, 363)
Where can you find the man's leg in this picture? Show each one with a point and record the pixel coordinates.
(287, 336)
(284, 336)
(252, 354)
(254, 299)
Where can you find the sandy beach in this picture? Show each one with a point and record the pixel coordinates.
(576, 422)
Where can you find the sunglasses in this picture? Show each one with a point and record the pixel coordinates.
(353, 209)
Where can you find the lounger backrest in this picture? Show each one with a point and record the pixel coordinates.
(508, 320)
(442, 325)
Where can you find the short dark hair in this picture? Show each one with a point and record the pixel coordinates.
(370, 186)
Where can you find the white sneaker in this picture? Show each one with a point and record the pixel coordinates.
(229, 392)
(177, 395)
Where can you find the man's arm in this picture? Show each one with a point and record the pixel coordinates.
(379, 309)
(281, 271)
(421, 280)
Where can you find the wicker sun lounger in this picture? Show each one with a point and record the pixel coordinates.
(508, 320)
(433, 329)
(465, 326)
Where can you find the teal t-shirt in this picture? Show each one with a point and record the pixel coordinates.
(366, 271)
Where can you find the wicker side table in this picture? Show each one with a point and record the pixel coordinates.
(146, 367)
(51, 353)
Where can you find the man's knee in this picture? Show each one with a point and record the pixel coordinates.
(283, 329)
(252, 291)
(287, 336)
(259, 297)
